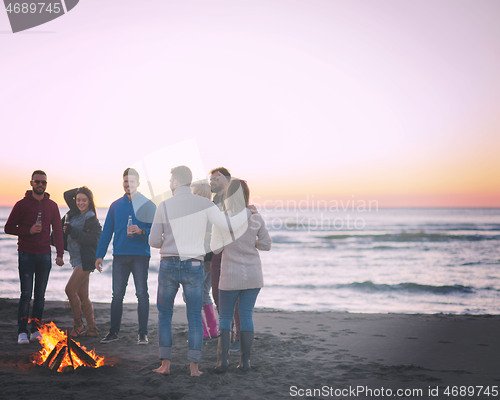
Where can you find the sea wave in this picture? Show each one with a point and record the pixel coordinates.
(414, 237)
(371, 287)
(284, 239)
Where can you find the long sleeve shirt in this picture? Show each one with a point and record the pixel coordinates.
(24, 215)
(142, 211)
(180, 224)
(241, 267)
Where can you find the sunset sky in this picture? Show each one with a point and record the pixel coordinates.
(394, 101)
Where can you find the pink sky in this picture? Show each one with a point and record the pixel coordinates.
(388, 100)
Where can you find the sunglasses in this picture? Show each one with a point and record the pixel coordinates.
(38, 182)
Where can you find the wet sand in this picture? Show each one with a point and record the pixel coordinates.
(295, 355)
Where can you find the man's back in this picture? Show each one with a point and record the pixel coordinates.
(182, 220)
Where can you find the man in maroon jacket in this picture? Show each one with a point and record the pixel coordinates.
(30, 221)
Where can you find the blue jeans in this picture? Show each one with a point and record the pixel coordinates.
(227, 302)
(123, 266)
(38, 265)
(190, 275)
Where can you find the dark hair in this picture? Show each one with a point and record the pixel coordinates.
(37, 172)
(87, 192)
(237, 200)
(223, 171)
(131, 171)
(182, 174)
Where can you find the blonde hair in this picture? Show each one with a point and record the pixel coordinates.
(201, 188)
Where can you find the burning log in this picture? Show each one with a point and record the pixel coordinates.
(82, 354)
(63, 354)
(52, 354)
(58, 360)
(69, 351)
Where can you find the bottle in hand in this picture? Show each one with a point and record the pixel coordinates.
(129, 224)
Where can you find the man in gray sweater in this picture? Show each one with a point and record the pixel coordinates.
(178, 230)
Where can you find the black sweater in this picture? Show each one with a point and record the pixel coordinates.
(87, 238)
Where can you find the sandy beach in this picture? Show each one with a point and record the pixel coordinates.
(296, 355)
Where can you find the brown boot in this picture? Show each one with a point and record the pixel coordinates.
(78, 327)
(88, 312)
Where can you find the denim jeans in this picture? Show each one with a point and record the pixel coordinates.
(190, 275)
(38, 265)
(207, 286)
(227, 302)
(122, 267)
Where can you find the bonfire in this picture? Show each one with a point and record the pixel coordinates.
(62, 354)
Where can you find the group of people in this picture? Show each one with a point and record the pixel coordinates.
(203, 245)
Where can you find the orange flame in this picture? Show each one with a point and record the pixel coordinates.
(51, 336)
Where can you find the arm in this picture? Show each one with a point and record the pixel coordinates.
(220, 220)
(208, 237)
(12, 226)
(89, 236)
(57, 232)
(69, 198)
(217, 240)
(263, 239)
(156, 231)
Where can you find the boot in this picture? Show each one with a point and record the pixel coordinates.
(211, 319)
(246, 340)
(78, 327)
(88, 312)
(223, 350)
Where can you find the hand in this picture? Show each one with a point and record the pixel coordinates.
(253, 209)
(98, 264)
(134, 229)
(35, 229)
(59, 261)
(64, 228)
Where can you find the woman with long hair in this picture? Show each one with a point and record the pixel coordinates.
(241, 272)
(81, 233)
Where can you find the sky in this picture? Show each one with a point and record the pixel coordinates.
(388, 101)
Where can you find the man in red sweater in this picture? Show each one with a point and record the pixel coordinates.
(30, 220)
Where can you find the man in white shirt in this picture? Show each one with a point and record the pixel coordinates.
(178, 230)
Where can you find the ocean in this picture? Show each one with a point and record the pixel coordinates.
(350, 259)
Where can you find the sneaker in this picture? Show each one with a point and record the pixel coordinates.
(234, 347)
(110, 337)
(22, 338)
(35, 336)
(142, 339)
